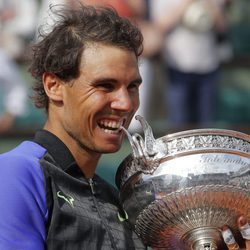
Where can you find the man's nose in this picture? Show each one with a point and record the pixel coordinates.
(122, 101)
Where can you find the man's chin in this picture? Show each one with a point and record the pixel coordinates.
(110, 149)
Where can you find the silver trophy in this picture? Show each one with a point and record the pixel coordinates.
(178, 190)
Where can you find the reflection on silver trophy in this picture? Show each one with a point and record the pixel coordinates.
(178, 190)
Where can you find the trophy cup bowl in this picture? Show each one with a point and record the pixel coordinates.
(179, 189)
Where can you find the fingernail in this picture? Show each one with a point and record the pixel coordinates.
(244, 227)
(228, 236)
(241, 221)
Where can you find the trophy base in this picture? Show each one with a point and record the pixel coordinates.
(203, 238)
(191, 217)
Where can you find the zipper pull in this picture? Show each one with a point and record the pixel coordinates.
(91, 183)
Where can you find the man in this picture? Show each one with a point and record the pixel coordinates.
(87, 79)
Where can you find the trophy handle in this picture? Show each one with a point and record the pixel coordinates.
(146, 152)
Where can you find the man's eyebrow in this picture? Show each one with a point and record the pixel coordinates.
(100, 80)
(113, 80)
(138, 80)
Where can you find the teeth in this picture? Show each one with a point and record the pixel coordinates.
(108, 131)
(111, 124)
(110, 127)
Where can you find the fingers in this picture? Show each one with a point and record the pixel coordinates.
(229, 239)
(244, 228)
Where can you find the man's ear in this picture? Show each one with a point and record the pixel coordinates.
(52, 86)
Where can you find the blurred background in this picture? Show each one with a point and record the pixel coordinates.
(227, 29)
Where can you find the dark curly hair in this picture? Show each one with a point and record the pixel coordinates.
(59, 51)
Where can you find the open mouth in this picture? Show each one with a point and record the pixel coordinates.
(111, 126)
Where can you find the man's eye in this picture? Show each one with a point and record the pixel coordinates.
(105, 86)
(134, 86)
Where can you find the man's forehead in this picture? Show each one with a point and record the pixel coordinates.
(98, 47)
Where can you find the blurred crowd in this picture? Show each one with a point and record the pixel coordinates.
(17, 27)
(186, 39)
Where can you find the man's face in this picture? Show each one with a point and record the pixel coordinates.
(104, 97)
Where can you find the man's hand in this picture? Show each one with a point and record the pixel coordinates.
(244, 229)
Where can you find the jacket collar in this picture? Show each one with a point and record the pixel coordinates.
(56, 148)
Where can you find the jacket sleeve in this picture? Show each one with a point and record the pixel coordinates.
(23, 210)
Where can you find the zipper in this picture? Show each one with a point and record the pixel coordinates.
(91, 184)
(103, 219)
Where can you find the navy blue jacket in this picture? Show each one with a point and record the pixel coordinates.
(47, 203)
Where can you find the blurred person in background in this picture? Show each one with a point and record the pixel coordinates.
(17, 27)
(191, 57)
(14, 93)
(18, 24)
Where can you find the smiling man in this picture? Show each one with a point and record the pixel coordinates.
(87, 79)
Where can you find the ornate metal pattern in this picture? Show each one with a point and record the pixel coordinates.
(167, 220)
(186, 145)
(179, 189)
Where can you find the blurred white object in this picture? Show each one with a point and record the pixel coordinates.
(197, 17)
